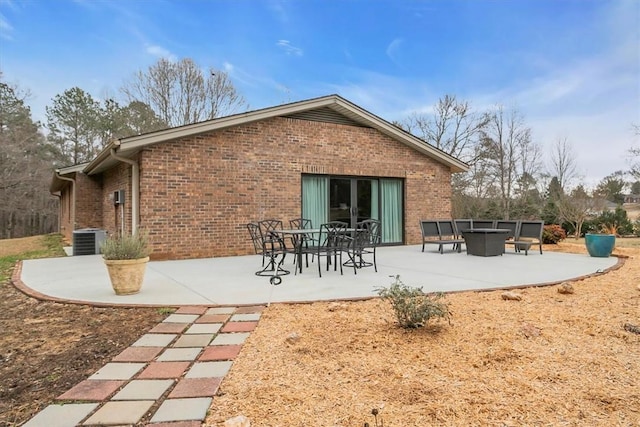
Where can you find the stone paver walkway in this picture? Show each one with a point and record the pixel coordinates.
(169, 377)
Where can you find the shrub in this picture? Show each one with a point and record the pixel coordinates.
(615, 222)
(413, 308)
(125, 247)
(553, 233)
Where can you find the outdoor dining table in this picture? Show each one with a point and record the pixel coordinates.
(299, 237)
(485, 241)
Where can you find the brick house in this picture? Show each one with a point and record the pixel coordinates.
(194, 188)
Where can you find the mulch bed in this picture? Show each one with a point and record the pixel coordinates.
(48, 347)
(548, 359)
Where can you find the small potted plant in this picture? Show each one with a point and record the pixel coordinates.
(601, 244)
(126, 258)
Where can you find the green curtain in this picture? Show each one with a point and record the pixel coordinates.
(315, 199)
(375, 206)
(391, 202)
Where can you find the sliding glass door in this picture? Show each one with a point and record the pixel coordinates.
(354, 199)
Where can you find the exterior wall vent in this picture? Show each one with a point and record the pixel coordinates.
(87, 241)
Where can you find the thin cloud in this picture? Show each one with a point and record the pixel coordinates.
(6, 30)
(279, 11)
(288, 48)
(393, 48)
(160, 52)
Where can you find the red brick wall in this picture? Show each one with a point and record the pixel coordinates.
(88, 212)
(117, 178)
(64, 213)
(88, 208)
(197, 194)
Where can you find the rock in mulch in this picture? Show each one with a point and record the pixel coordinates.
(511, 296)
(631, 328)
(530, 331)
(293, 338)
(239, 421)
(334, 306)
(565, 288)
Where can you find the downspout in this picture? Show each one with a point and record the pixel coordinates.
(135, 187)
(72, 214)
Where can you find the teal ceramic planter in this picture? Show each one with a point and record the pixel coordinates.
(600, 245)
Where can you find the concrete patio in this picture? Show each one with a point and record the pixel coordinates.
(231, 280)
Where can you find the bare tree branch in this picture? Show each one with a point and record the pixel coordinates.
(180, 93)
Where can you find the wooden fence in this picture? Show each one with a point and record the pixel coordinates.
(14, 224)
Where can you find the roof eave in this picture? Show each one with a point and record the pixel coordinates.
(58, 184)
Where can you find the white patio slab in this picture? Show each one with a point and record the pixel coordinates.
(232, 280)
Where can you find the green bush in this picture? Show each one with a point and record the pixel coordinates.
(553, 233)
(413, 308)
(616, 220)
(125, 247)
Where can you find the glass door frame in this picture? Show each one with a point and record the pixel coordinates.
(376, 212)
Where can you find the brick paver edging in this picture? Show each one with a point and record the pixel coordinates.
(170, 375)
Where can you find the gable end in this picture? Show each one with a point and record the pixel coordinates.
(326, 115)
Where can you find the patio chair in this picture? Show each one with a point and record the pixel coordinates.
(270, 228)
(302, 224)
(256, 239)
(511, 225)
(331, 243)
(462, 225)
(483, 223)
(271, 246)
(362, 242)
(432, 234)
(529, 234)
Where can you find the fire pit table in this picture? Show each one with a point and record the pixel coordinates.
(485, 241)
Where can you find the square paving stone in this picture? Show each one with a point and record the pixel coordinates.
(216, 369)
(162, 370)
(221, 310)
(143, 390)
(213, 318)
(92, 390)
(239, 326)
(169, 328)
(68, 415)
(176, 354)
(117, 371)
(193, 309)
(180, 318)
(138, 354)
(122, 412)
(193, 340)
(250, 309)
(204, 328)
(182, 409)
(195, 387)
(220, 352)
(249, 317)
(154, 340)
(227, 339)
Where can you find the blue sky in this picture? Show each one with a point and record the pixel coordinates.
(571, 67)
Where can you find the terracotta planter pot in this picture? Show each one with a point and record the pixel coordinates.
(600, 245)
(126, 274)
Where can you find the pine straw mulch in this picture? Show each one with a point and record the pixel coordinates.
(549, 359)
